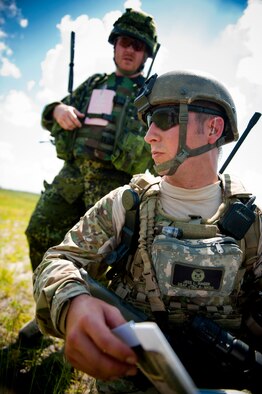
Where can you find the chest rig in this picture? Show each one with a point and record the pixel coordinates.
(117, 139)
(209, 266)
(115, 136)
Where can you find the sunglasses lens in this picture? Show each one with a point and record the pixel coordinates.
(163, 118)
(138, 45)
(126, 42)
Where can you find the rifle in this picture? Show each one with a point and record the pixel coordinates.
(201, 330)
(99, 291)
(71, 66)
(222, 342)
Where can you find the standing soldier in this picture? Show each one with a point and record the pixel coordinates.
(98, 136)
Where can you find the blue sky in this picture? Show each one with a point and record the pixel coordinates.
(221, 37)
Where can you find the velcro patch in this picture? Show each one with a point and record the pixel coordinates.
(190, 277)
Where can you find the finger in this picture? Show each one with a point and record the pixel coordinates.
(78, 113)
(74, 118)
(102, 336)
(70, 122)
(84, 355)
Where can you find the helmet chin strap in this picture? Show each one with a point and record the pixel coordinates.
(183, 151)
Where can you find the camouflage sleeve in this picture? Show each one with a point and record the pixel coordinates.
(57, 279)
(47, 120)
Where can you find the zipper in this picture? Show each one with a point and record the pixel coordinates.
(215, 243)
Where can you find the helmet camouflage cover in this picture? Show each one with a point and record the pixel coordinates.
(177, 87)
(138, 25)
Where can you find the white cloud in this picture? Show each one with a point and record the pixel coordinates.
(135, 4)
(18, 109)
(250, 67)
(26, 155)
(5, 49)
(30, 85)
(2, 46)
(9, 69)
(23, 22)
(2, 34)
(9, 10)
(6, 153)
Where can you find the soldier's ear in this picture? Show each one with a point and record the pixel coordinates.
(216, 127)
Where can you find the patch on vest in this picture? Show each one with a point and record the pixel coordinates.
(196, 267)
(190, 277)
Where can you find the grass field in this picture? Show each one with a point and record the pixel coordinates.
(23, 370)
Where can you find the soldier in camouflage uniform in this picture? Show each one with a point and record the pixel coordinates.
(97, 134)
(211, 270)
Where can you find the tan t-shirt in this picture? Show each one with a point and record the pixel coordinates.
(181, 203)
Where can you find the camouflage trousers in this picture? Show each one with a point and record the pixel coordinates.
(74, 190)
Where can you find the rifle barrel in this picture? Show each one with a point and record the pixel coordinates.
(71, 64)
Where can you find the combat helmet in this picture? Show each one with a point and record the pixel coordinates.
(138, 25)
(185, 90)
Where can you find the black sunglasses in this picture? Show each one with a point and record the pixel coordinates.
(168, 116)
(126, 42)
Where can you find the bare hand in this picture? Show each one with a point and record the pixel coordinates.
(67, 116)
(90, 345)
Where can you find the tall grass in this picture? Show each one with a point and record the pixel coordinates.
(16, 300)
(41, 369)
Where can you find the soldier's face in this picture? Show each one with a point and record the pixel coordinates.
(164, 142)
(129, 54)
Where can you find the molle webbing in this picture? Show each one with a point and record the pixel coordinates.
(196, 231)
(233, 191)
(251, 243)
(98, 142)
(147, 220)
(225, 311)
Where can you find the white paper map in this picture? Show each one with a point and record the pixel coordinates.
(158, 361)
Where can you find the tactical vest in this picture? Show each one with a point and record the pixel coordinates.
(117, 138)
(142, 284)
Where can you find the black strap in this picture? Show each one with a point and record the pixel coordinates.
(129, 236)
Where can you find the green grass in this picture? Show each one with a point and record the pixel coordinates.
(41, 369)
(15, 270)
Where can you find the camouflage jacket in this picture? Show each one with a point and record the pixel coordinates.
(117, 138)
(99, 232)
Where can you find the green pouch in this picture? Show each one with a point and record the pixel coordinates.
(63, 142)
(69, 183)
(132, 155)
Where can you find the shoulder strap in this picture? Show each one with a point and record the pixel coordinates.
(234, 189)
(97, 79)
(145, 185)
(131, 199)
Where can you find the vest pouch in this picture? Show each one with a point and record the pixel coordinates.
(94, 143)
(63, 142)
(196, 267)
(132, 154)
